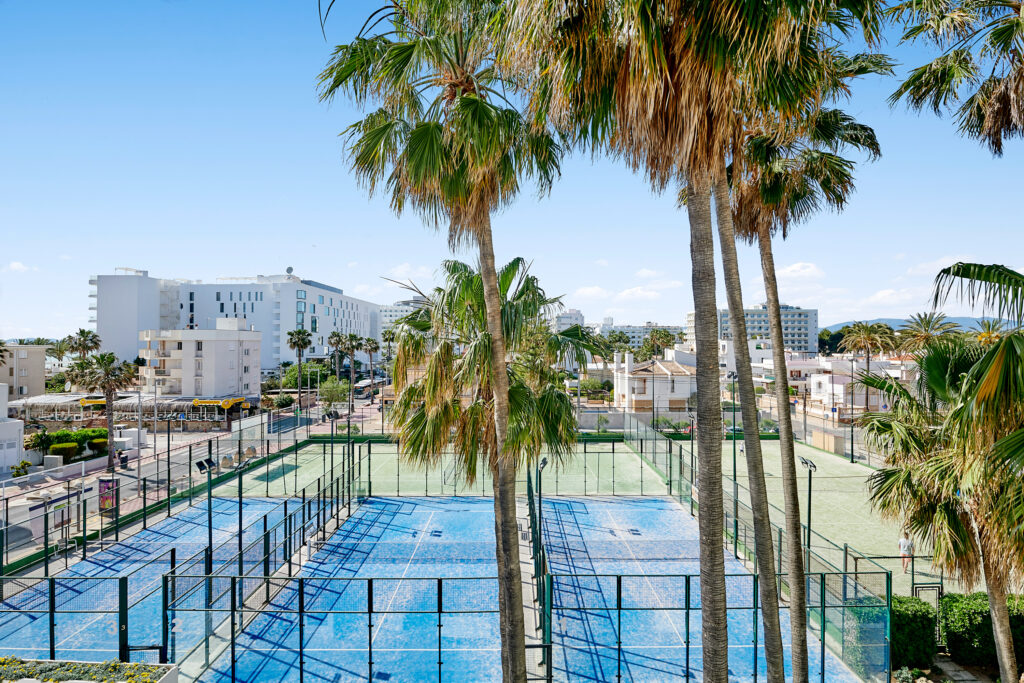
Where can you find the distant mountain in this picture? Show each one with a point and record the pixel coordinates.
(896, 323)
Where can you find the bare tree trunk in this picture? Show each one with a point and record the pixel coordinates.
(513, 643)
(715, 632)
(995, 585)
(793, 551)
(763, 546)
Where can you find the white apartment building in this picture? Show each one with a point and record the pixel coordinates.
(131, 301)
(636, 333)
(389, 315)
(799, 326)
(661, 384)
(204, 363)
(12, 435)
(563, 320)
(24, 371)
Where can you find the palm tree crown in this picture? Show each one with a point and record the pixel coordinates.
(104, 373)
(922, 328)
(84, 342)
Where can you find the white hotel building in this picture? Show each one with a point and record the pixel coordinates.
(799, 326)
(131, 301)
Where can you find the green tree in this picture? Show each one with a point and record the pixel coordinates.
(298, 341)
(866, 338)
(447, 143)
(59, 350)
(334, 393)
(83, 343)
(371, 346)
(3, 353)
(335, 340)
(618, 340)
(105, 374)
(350, 344)
(922, 328)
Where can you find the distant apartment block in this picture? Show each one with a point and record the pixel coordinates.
(24, 370)
(563, 320)
(389, 315)
(799, 326)
(131, 301)
(12, 435)
(636, 333)
(219, 362)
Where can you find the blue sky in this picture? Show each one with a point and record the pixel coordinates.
(184, 137)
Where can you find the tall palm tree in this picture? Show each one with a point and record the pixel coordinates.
(447, 142)
(3, 353)
(84, 342)
(59, 350)
(298, 341)
(942, 481)
(105, 374)
(978, 73)
(866, 338)
(335, 340)
(371, 346)
(350, 344)
(989, 331)
(922, 328)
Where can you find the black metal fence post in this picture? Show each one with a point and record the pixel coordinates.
(302, 629)
(122, 619)
(190, 474)
(46, 538)
(439, 611)
(52, 602)
(145, 515)
(618, 627)
(234, 614)
(369, 622)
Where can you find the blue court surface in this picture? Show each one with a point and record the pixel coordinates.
(652, 543)
(394, 541)
(86, 594)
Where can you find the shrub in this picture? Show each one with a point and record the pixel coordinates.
(98, 445)
(913, 632)
(968, 627)
(66, 449)
(284, 400)
(21, 469)
(759, 390)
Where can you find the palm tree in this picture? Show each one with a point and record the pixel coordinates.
(83, 343)
(104, 373)
(922, 328)
(335, 340)
(865, 338)
(977, 75)
(3, 353)
(447, 142)
(350, 344)
(59, 350)
(371, 346)
(298, 341)
(942, 482)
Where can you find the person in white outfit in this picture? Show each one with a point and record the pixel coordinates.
(906, 550)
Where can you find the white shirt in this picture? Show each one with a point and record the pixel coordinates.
(906, 546)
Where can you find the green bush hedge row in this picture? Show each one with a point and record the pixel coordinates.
(65, 449)
(44, 440)
(968, 627)
(913, 633)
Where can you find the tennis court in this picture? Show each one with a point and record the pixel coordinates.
(619, 569)
(85, 598)
(360, 609)
(287, 474)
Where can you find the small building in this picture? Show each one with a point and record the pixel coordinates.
(201, 363)
(24, 370)
(658, 384)
(12, 436)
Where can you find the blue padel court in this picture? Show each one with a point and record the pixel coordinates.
(85, 597)
(403, 591)
(619, 569)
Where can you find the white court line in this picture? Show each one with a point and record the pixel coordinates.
(408, 564)
(647, 579)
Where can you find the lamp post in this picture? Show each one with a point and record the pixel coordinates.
(540, 493)
(851, 407)
(811, 469)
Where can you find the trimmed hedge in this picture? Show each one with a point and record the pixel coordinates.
(65, 449)
(98, 445)
(43, 440)
(913, 633)
(968, 627)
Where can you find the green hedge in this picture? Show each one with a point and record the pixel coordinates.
(98, 445)
(913, 633)
(968, 627)
(43, 440)
(65, 449)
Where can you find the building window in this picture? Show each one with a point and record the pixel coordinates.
(300, 306)
(300, 294)
(191, 296)
(236, 309)
(221, 306)
(231, 296)
(199, 346)
(320, 299)
(312, 323)
(218, 296)
(248, 296)
(300, 318)
(191, 308)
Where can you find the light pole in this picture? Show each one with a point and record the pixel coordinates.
(851, 407)
(811, 469)
(540, 493)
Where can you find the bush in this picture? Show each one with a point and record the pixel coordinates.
(913, 632)
(21, 469)
(759, 390)
(968, 627)
(284, 401)
(68, 450)
(98, 445)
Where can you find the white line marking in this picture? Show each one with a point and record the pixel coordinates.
(408, 564)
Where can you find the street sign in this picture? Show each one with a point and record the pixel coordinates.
(833, 410)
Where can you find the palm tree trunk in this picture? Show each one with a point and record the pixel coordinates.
(108, 398)
(867, 390)
(793, 550)
(995, 586)
(513, 641)
(715, 633)
(371, 377)
(351, 386)
(299, 385)
(763, 547)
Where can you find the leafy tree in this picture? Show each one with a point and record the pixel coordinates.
(105, 374)
(311, 371)
(602, 424)
(334, 393)
(284, 401)
(591, 385)
(618, 341)
(829, 341)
